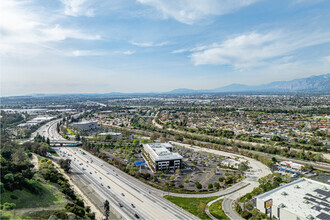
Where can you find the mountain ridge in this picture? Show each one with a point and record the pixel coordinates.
(316, 83)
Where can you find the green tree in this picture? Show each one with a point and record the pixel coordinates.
(77, 137)
(106, 208)
(216, 185)
(9, 177)
(2, 187)
(65, 164)
(198, 185)
(136, 142)
(154, 137)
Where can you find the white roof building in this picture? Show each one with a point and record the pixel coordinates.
(85, 125)
(36, 121)
(161, 152)
(303, 199)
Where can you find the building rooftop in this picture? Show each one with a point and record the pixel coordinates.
(110, 133)
(84, 122)
(161, 151)
(306, 198)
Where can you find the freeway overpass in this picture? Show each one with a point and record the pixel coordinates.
(66, 143)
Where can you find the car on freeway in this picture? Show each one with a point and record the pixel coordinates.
(108, 173)
(136, 215)
(122, 194)
(100, 178)
(101, 184)
(90, 172)
(108, 187)
(133, 205)
(120, 205)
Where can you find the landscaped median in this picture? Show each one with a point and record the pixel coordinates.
(196, 206)
(217, 211)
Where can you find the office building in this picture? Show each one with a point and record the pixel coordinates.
(302, 199)
(85, 125)
(159, 156)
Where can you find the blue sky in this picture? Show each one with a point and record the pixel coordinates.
(99, 46)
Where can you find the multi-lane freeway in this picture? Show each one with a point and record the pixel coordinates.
(128, 198)
(49, 130)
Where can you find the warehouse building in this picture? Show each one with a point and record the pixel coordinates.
(159, 156)
(303, 199)
(85, 125)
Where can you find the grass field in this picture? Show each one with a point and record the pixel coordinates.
(191, 204)
(70, 131)
(25, 199)
(216, 212)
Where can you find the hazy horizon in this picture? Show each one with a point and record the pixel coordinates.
(156, 46)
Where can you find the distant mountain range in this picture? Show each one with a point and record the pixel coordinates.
(313, 84)
(320, 83)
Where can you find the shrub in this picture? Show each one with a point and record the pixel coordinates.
(201, 207)
(13, 197)
(249, 206)
(261, 215)
(79, 211)
(2, 187)
(238, 209)
(9, 206)
(246, 214)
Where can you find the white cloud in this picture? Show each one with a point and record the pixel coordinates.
(80, 53)
(190, 11)
(78, 8)
(254, 49)
(199, 48)
(327, 59)
(26, 31)
(149, 44)
(128, 52)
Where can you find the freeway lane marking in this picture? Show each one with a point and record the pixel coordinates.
(114, 183)
(109, 179)
(105, 193)
(161, 201)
